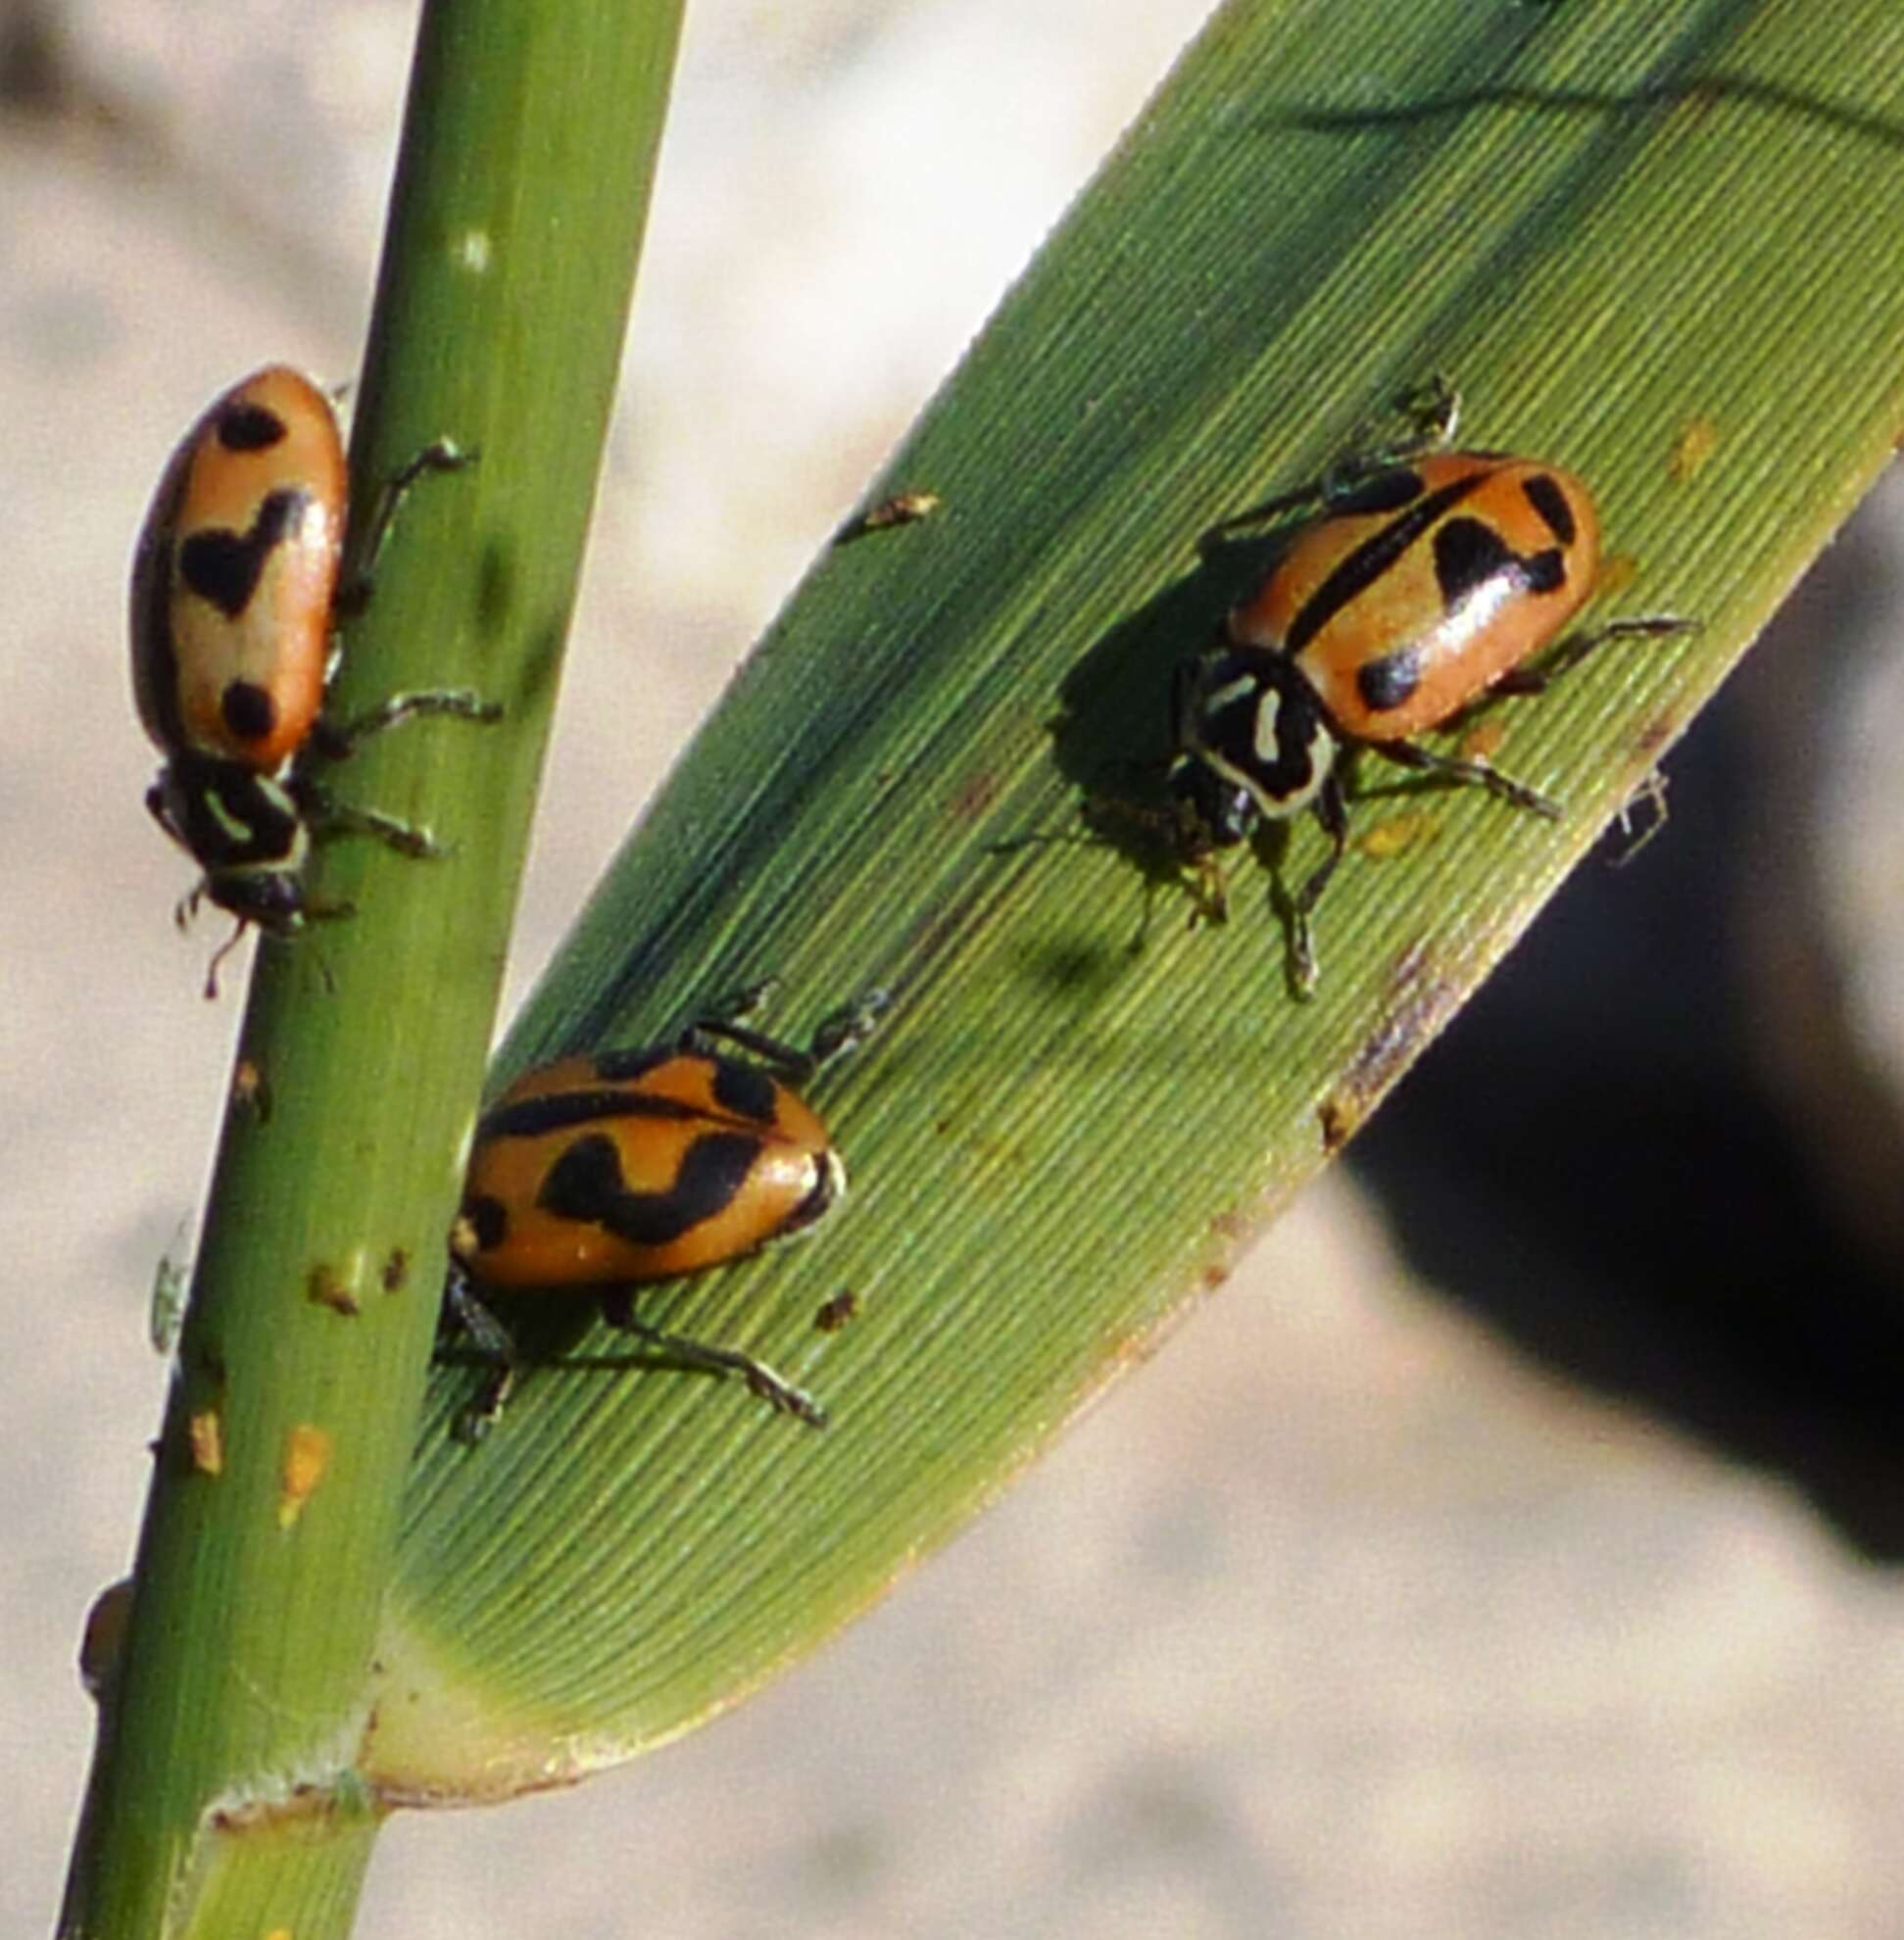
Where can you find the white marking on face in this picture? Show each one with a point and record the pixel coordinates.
(1323, 749)
(1265, 741)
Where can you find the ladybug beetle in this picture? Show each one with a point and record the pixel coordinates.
(234, 599)
(1429, 578)
(615, 1168)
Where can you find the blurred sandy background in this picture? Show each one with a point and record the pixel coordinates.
(1550, 1599)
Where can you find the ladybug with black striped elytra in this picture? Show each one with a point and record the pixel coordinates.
(235, 602)
(1428, 578)
(615, 1169)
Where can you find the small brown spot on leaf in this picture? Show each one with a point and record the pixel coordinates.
(1339, 1117)
(835, 1313)
(323, 1287)
(1420, 1000)
(301, 1803)
(902, 509)
(975, 797)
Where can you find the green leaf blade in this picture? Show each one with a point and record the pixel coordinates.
(1587, 215)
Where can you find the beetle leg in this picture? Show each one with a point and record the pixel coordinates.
(328, 818)
(1569, 652)
(218, 956)
(840, 1032)
(760, 1380)
(441, 455)
(1459, 772)
(1429, 411)
(490, 1339)
(336, 739)
(1332, 812)
(1269, 513)
(847, 1028)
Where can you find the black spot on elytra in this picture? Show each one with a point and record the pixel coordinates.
(745, 1091)
(248, 710)
(1470, 555)
(488, 1220)
(1389, 681)
(249, 427)
(1545, 495)
(586, 1184)
(1544, 571)
(223, 567)
(584, 1180)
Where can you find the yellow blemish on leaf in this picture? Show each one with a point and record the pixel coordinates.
(1395, 835)
(1692, 450)
(205, 1435)
(306, 1455)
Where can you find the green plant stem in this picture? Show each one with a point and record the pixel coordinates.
(229, 1732)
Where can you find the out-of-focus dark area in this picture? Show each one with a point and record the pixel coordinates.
(1629, 1154)
(1507, 1550)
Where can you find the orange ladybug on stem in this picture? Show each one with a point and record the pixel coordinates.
(235, 602)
